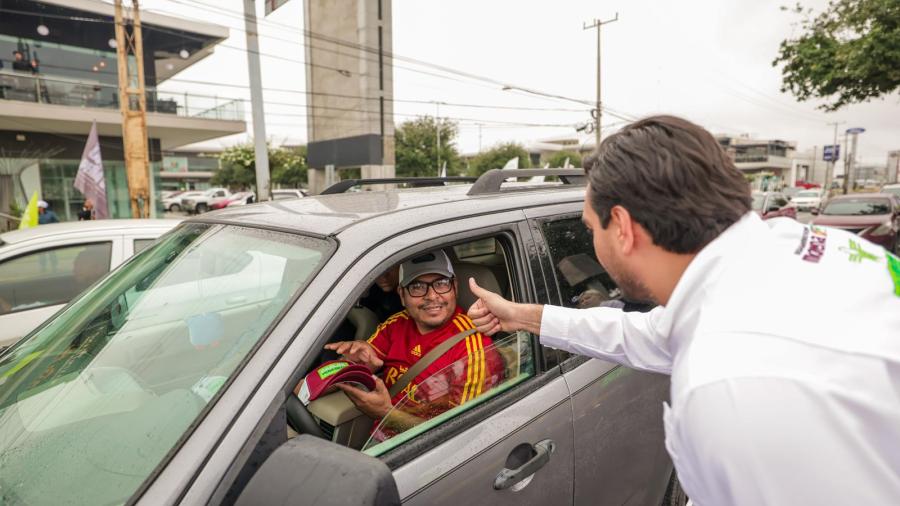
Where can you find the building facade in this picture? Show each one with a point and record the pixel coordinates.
(59, 75)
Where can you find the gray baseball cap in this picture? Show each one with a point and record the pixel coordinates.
(433, 262)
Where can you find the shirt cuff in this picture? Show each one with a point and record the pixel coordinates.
(555, 326)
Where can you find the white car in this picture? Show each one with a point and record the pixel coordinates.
(807, 200)
(285, 194)
(172, 203)
(892, 189)
(42, 268)
(200, 203)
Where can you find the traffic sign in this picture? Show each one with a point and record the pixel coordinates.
(831, 153)
(856, 130)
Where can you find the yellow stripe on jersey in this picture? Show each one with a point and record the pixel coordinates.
(478, 352)
(472, 370)
(467, 389)
(391, 319)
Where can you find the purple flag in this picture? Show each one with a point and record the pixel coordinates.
(90, 180)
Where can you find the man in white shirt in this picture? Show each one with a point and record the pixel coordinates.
(778, 396)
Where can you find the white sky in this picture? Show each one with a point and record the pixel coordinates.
(706, 60)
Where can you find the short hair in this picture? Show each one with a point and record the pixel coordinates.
(674, 179)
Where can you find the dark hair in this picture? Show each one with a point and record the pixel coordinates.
(674, 179)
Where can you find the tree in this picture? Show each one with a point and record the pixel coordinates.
(559, 158)
(238, 167)
(849, 53)
(416, 147)
(496, 158)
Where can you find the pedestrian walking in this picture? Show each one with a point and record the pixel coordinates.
(45, 214)
(773, 401)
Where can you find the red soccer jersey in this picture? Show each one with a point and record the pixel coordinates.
(468, 369)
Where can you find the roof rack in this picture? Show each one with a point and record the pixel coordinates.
(491, 181)
(343, 186)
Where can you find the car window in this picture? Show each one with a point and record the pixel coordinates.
(582, 281)
(94, 401)
(860, 206)
(141, 244)
(283, 196)
(51, 276)
(500, 366)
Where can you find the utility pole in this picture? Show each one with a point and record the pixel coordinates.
(851, 156)
(598, 112)
(261, 151)
(829, 171)
(133, 103)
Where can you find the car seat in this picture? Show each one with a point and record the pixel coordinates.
(364, 321)
(483, 275)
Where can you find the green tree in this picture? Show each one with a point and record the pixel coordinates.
(496, 158)
(416, 147)
(559, 158)
(237, 170)
(849, 53)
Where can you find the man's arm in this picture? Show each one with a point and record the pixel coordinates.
(630, 339)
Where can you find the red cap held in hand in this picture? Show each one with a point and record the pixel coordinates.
(321, 380)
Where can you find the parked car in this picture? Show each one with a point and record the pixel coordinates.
(239, 198)
(872, 216)
(893, 189)
(171, 380)
(284, 194)
(199, 204)
(173, 202)
(807, 200)
(42, 268)
(772, 205)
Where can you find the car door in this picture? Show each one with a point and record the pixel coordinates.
(620, 456)
(39, 278)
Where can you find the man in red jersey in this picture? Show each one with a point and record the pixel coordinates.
(428, 291)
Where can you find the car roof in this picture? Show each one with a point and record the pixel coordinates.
(70, 227)
(326, 215)
(888, 196)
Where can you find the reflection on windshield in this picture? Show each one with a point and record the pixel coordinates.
(858, 207)
(91, 403)
(758, 200)
(434, 398)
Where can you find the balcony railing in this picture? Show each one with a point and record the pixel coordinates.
(43, 89)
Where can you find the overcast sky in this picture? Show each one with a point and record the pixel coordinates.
(706, 60)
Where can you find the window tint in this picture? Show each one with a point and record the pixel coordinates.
(52, 276)
(504, 363)
(141, 244)
(582, 281)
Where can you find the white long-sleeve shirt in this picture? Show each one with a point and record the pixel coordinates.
(783, 343)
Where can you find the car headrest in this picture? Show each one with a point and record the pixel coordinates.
(483, 276)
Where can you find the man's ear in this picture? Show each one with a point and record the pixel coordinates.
(623, 229)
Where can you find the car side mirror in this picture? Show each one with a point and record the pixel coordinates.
(308, 469)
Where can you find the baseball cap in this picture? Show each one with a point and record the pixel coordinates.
(434, 262)
(43, 203)
(321, 380)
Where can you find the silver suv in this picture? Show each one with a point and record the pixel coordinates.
(171, 381)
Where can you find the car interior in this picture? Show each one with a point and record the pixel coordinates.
(334, 417)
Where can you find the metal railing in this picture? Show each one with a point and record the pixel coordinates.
(45, 89)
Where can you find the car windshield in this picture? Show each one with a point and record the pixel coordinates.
(893, 190)
(808, 194)
(92, 402)
(857, 207)
(758, 200)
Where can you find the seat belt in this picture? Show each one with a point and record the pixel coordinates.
(425, 361)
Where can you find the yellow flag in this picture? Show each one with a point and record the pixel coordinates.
(30, 216)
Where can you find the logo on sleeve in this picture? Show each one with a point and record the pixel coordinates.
(856, 254)
(893, 264)
(812, 245)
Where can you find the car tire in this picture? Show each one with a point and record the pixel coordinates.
(202, 208)
(174, 208)
(675, 495)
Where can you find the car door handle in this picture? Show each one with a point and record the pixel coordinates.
(509, 477)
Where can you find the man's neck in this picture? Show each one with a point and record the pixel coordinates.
(665, 272)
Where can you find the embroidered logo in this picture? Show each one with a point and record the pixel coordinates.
(815, 248)
(857, 254)
(417, 350)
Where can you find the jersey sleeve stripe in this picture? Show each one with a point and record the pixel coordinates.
(477, 338)
(465, 394)
(476, 362)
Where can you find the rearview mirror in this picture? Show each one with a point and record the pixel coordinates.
(307, 470)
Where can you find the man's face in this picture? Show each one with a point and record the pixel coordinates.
(88, 204)
(607, 248)
(18, 56)
(431, 310)
(389, 280)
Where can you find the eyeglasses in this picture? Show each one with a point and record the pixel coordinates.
(420, 288)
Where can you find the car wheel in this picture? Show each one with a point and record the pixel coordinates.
(675, 495)
(202, 208)
(174, 208)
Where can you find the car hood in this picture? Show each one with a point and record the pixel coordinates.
(851, 221)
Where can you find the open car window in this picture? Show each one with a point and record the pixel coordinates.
(503, 364)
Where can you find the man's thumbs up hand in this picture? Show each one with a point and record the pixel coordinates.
(484, 312)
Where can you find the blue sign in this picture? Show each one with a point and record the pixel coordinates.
(832, 153)
(856, 130)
